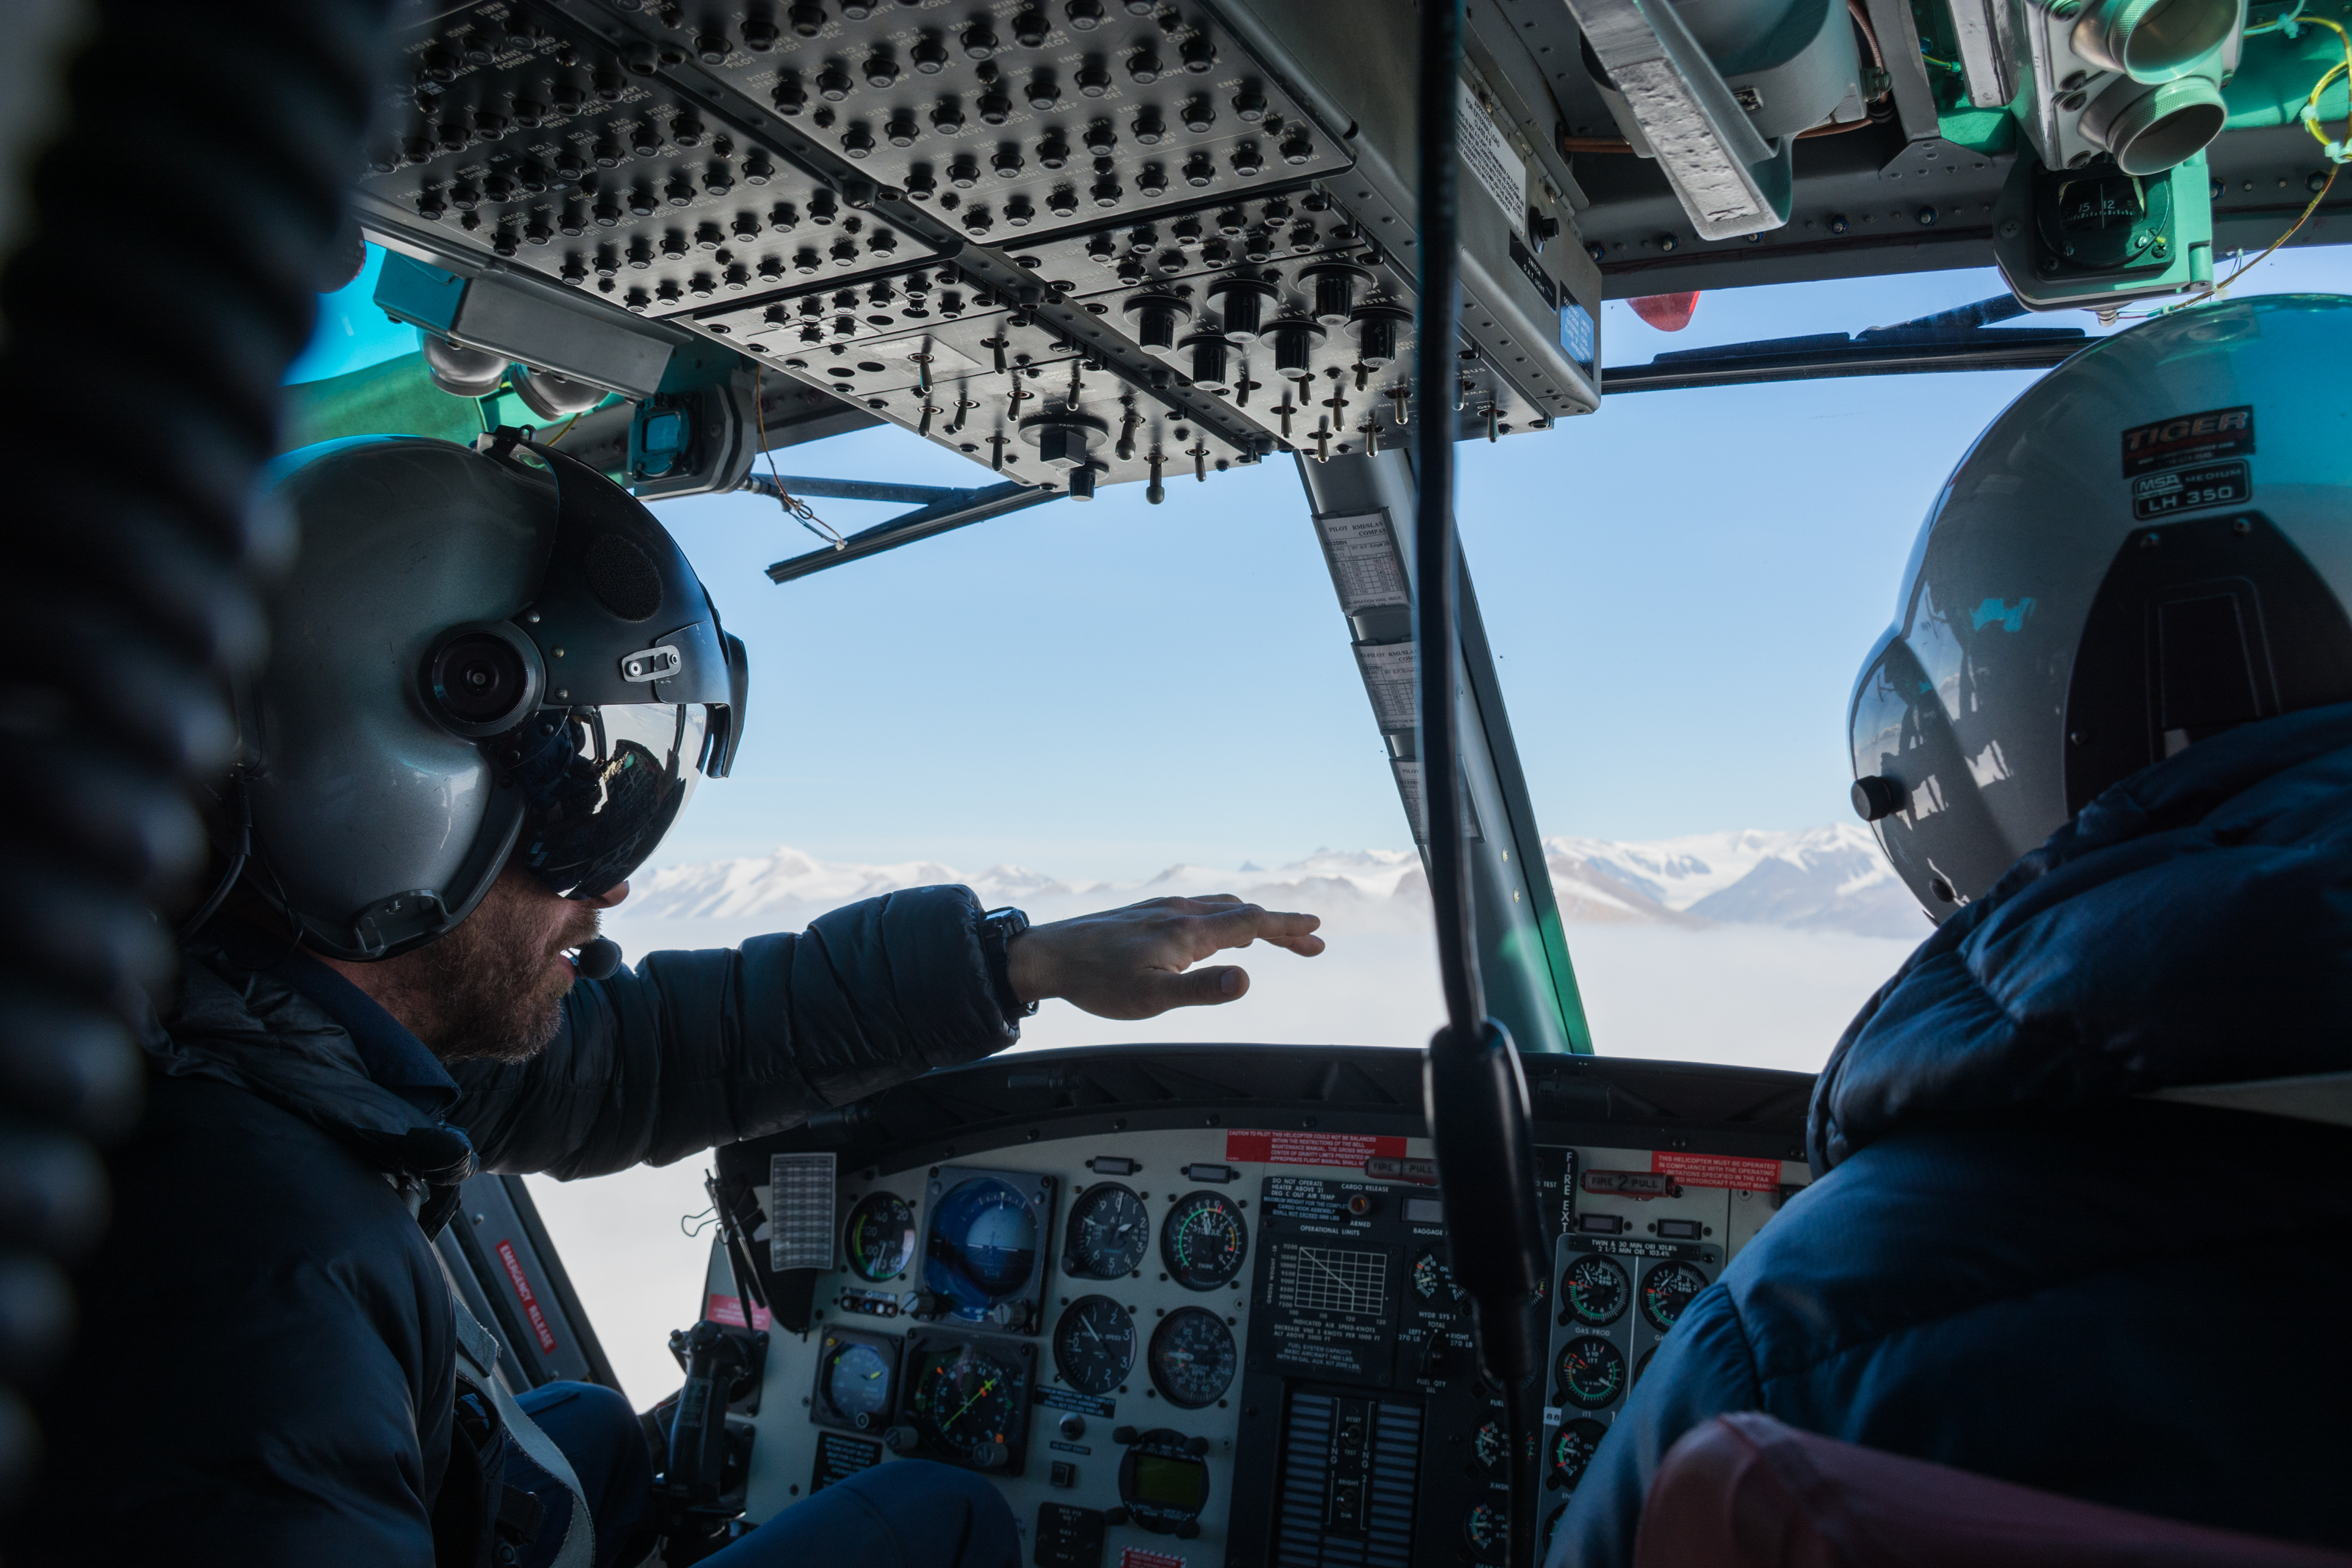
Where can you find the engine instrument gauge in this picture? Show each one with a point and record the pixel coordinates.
(1489, 1444)
(1110, 1232)
(879, 1240)
(1486, 1528)
(1193, 1357)
(982, 1248)
(1594, 1291)
(1094, 1344)
(1204, 1241)
(1666, 1290)
(1429, 1276)
(855, 1381)
(1592, 1371)
(969, 1403)
(1571, 1451)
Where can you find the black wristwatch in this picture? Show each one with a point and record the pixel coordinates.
(998, 927)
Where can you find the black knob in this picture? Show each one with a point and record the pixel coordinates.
(1143, 67)
(1187, 1529)
(979, 41)
(996, 108)
(806, 20)
(1105, 192)
(1029, 30)
(990, 1455)
(1297, 148)
(759, 34)
(1149, 128)
(1335, 289)
(1196, 1447)
(1085, 16)
(899, 1440)
(1876, 796)
(1376, 332)
(1155, 316)
(1209, 352)
(1043, 94)
(881, 71)
(1093, 80)
(1242, 301)
(1116, 1516)
(1073, 1426)
(1249, 104)
(1294, 343)
(1199, 55)
(833, 84)
(790, 96)
(1247, 161)
(857, 140)
(1123, 1436)
(930, 57)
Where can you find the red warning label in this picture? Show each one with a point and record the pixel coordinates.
(1303, 1148)
(1717, 1170)
(1137, 1557)
(729, 1309)
(523, 1294)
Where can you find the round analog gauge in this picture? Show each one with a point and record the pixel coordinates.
(1109, 1234)
(1666, 1290)
(1193, 1357)
(1203, 1241)
(1595, 1291)
(1592, 1371)
(856, 1383)
(983, 1246)
(964, 1402)
(1094, 1344)
(1571, 1451)
(1429, 1276)
(1486, 1528)
(1490, 1444)
(880, 1237)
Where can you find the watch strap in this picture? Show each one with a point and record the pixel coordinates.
(998, 928)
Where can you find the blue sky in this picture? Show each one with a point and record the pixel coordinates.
(1679, 588)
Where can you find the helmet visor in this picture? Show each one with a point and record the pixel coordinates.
(601, 786)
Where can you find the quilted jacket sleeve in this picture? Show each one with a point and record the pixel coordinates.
(696, 1049)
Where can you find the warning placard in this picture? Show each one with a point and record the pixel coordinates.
(729, 1310)
(1717, 1170)
(1304, 1149)
(1139, 1557)
(523, 1293)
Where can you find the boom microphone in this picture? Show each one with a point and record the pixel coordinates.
(599, 959)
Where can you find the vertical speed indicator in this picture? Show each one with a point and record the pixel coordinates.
(1203, 1241)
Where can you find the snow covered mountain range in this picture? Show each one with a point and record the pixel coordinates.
(1821, 879)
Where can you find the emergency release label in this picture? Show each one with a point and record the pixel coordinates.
(2188, 440)
(2190, 489)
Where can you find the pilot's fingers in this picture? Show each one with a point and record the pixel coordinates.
(1242, 923)
(1160, 989)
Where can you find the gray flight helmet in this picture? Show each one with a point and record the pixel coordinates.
(478, 657)
(2151, 546)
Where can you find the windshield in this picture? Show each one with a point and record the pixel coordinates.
(1078, 706)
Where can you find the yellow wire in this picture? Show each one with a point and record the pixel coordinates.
(2311, 103)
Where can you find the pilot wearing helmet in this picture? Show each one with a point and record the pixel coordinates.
(494, 682)
(2081, 1164)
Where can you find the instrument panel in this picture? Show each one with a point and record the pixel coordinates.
(1221, 1327)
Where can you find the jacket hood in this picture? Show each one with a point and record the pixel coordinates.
(255, 1031)
(2192, 926)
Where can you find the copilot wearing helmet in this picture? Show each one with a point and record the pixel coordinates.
(493, 685)
(2073, 1162)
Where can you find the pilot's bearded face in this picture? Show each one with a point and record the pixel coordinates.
(492, 990)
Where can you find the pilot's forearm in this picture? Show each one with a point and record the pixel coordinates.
(690, 1049)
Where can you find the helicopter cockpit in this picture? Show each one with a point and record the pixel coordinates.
(1206, 1302)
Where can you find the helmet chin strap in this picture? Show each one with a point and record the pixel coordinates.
(598, 959)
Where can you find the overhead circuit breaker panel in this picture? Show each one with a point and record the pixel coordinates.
(1081, 241)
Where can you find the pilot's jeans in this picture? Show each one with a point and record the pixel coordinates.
(907, 1514)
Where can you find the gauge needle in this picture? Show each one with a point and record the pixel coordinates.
(976, 1396)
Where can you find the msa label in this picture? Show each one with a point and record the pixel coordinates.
(2187, 440)
(2190, 490)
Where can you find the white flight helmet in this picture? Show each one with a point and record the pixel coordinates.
(2152, 545)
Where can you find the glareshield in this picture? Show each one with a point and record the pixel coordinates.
(601, 786)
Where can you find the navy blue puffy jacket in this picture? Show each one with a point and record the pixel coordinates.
(264, 1370)
(2014, 1264)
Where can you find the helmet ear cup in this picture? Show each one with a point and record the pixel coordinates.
(482, 678)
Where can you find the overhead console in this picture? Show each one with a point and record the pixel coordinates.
(1195, 1305)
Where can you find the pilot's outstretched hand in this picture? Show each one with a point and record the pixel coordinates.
(1137, 962)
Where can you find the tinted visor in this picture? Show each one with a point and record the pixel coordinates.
(601, 786)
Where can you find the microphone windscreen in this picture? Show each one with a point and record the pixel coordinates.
(599, 959)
